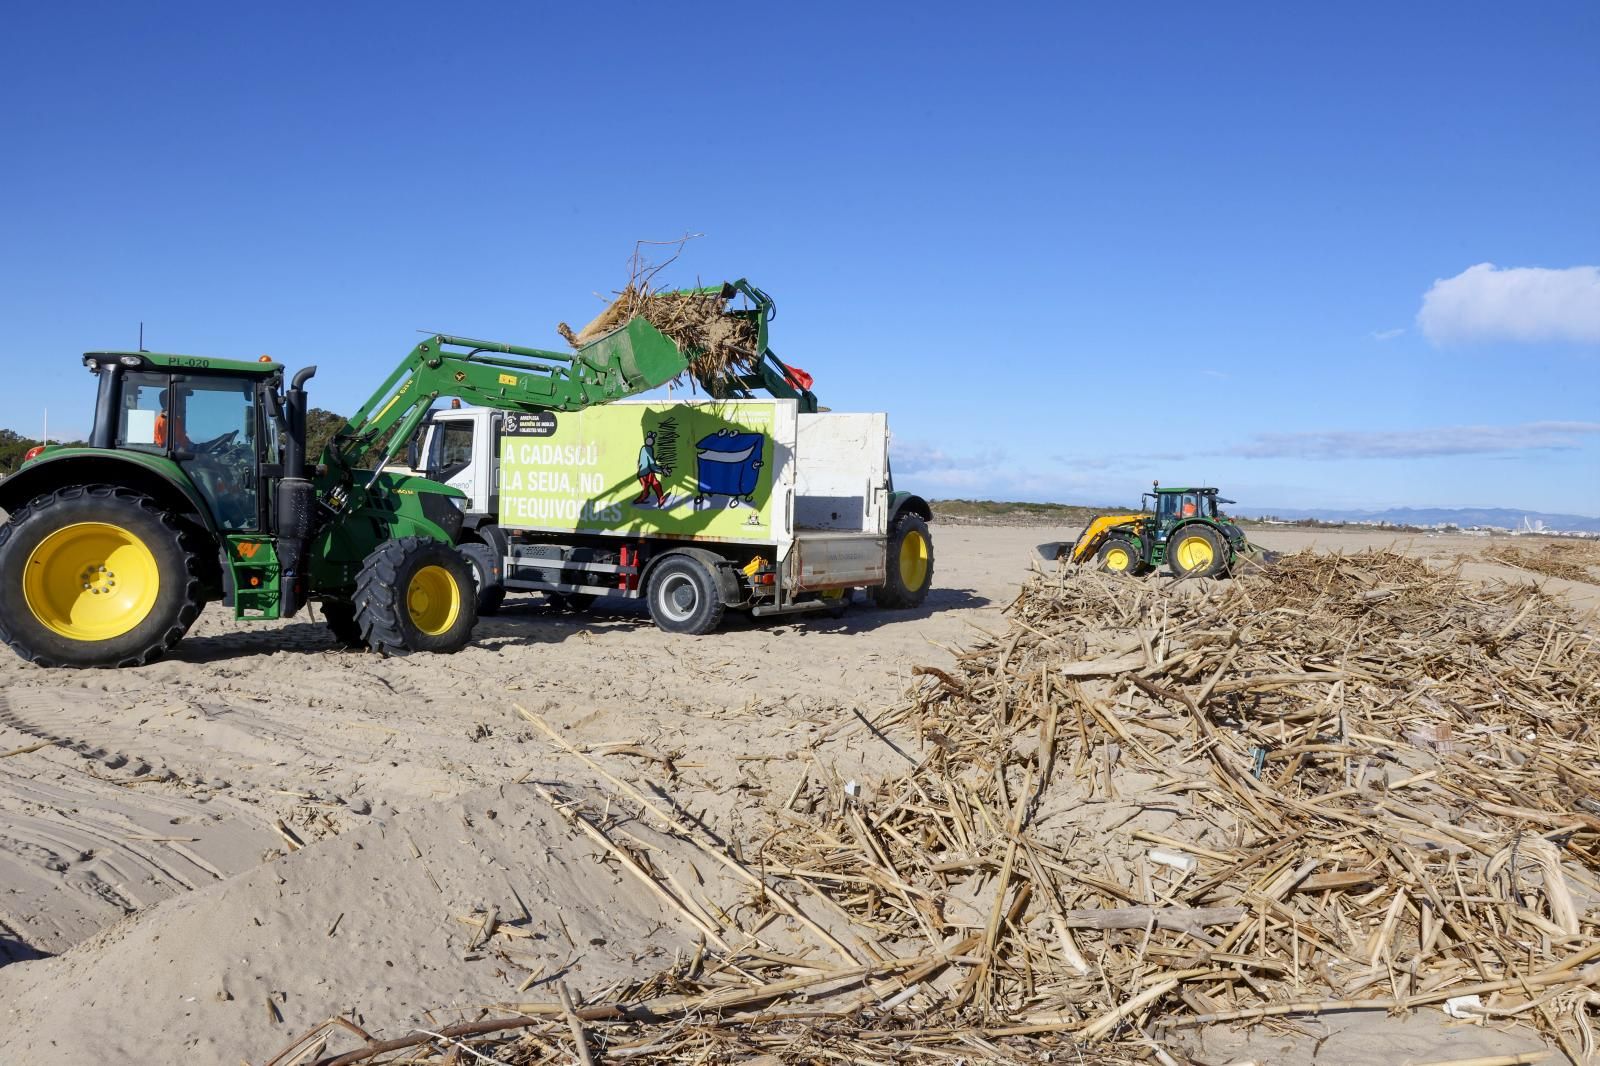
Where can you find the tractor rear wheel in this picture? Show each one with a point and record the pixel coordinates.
(1196, 550)
(487, 576)
(415, 594)
(1119, 555)
(94, 575)
(908, 563)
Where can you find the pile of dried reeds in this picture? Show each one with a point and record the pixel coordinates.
(1343, 782)
(697, 322)
(1574, 560)
(1346, 782)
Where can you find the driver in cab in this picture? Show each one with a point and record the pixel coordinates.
(169, 426)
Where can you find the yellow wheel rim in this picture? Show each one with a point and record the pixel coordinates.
(1118, 559)
(913, 560)
(91, 581)
(1194, 553)
(433, 600)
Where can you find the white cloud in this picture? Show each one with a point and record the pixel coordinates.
(920, 457)
(990, 473)
(1485, 302)
(1418, 443)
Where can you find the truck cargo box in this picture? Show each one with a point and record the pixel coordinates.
(749, 471)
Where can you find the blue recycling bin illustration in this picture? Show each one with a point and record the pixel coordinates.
(729, 463)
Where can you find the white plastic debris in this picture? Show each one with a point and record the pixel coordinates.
(1465, 1007)
(1175, 859)
(852, 788)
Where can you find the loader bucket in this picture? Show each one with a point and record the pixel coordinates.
(1055, 551)
(642, 354)
(1254, 559)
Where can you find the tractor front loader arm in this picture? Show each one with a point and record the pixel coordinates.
(1094, 534)
(627, 361)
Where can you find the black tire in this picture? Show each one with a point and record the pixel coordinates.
(341, 619)
(487, 575)
(33, 590)
(908, 563)
(683, 596)
(1119, 555)
(1185, 544)
(415, 594)
(572, 602)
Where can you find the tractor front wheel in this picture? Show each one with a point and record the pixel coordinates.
(1119, 555)
(1196, 550)
(415, 594)
(94, 575)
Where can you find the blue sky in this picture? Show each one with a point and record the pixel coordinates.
(1068, 247)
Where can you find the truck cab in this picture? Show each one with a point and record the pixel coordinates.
(459, 446)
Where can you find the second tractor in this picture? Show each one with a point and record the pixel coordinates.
(1181, 528)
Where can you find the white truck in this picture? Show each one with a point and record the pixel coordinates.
(699, 507)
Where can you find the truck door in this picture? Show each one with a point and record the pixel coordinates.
(464, 452)
(450, 454)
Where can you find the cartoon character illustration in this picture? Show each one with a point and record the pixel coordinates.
(729, 464)
(650, 472)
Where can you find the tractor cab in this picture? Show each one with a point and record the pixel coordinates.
(212, 417)
(1175, 505)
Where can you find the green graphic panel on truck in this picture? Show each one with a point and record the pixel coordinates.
(702, 470)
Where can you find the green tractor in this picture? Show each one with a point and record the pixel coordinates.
(196, 487)
(1181, 527)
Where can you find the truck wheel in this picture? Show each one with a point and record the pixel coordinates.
(1197, 551)
(683, 596)
(1119, 555)
(341, 619)
(487, 575)
(415, 594)
(908, 562)
(94, 575)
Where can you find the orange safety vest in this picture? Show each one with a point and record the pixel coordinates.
(180, 438)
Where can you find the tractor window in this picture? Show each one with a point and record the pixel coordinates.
(1190, 507)
(142, 422)
(1166, 505)
(214, 430)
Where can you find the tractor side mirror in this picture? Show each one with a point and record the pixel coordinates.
(414, 450)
